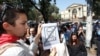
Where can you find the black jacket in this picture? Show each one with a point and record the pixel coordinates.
(77, 50)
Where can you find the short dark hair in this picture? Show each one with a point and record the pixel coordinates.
(9, 16)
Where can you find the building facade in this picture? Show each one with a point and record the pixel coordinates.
(74, 13)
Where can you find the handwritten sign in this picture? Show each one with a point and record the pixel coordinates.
(50, 35)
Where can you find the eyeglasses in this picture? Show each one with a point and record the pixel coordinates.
(6, 6)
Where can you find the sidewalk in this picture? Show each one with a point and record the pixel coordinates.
(92, 51)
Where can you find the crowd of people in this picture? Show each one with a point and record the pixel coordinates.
(17, 38)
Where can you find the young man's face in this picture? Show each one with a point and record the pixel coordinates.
(21, 26)
(32, 31)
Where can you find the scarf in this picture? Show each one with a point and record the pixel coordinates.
(7, 38)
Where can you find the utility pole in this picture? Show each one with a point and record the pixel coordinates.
(89, 23)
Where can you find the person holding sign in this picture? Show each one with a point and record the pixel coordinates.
(51, 38)
(13, 26)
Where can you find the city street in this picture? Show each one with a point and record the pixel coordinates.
(92, 51)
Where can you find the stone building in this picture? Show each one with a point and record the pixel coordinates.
(74, 13)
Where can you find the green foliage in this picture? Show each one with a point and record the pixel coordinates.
(19, 3)
(34, 14)
(95, 4)
(53, 8)
(53, 11)
(44, 7)
(96, 7)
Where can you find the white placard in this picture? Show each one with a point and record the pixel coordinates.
(50, 35)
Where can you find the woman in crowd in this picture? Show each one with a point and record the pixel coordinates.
(81, 34)
(13, 26)
(76, 48)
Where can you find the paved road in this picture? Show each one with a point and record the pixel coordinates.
(91, 52)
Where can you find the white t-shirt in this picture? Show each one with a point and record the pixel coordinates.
(21, 49)
(61, 49)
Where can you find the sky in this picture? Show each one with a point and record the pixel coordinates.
(63, 4)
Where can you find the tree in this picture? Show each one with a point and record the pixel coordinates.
(89, 23)
(25, 4)
(95, 6)
(53, 11)
(34, 14)
(41, 5)
(53, 8)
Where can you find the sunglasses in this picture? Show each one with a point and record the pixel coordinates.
(6, 6)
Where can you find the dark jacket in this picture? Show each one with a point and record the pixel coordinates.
(77, 50)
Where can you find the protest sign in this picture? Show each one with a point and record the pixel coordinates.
(50, 35)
